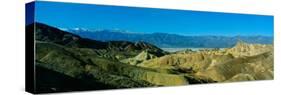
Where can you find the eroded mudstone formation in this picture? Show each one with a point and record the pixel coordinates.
(90, 63)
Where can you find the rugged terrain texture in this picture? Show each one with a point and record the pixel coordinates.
(62, 57)
(242, 62)
(68, 62)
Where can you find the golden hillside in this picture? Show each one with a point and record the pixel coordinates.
(242, 62)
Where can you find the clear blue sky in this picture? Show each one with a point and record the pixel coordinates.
(150, 20)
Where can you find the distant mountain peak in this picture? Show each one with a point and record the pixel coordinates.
(115, 30)
(76, 29)
(83, 29)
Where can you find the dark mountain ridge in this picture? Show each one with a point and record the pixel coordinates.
(47, 33)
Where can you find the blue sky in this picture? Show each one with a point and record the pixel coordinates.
(150, 20)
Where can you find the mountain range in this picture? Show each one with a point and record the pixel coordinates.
(165, 40)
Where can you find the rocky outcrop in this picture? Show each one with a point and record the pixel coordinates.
(246, 49)
(259, 67)
(242, 62)
(141, 57)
